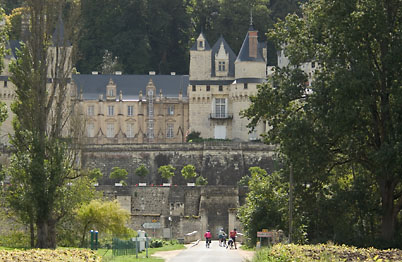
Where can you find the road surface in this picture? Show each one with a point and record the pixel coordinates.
(199, 253)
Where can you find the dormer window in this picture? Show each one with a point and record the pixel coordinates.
(222, 66)
(111, 90)
(201, 44)
(221, 61)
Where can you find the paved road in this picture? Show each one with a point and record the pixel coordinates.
(215, 253)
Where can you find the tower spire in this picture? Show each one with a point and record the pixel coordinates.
(251, 28)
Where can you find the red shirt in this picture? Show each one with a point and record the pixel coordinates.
(232, 233)
(207, 235)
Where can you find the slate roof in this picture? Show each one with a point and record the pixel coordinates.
(130, 85)
(207, 46)
(58, 35)
(232, 56)
(12, 45)
(244, 50)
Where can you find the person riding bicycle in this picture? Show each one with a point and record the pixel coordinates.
(207, 236)
(232, 236)
(222, 238)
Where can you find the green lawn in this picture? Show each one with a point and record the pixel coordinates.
(107, 254)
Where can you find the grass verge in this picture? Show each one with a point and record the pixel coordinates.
(107, 254)
(325, 253)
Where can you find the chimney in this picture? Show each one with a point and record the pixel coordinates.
(253, 43)
(151, 73)
(172, 73)
(94, 72)
(118, 73)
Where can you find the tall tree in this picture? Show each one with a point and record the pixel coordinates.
(41, 75)
(168, 31)
(351, 113)
(119, 27)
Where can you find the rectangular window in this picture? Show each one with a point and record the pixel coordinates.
(222, 66)
(91, 110)
(170, 110)
(130, 110)
(245, 85)
(194, 88)
(312, 64)
(169, 130)
(220, 107)
(5, 83)
(111, 92)
(130, 130)
(110, 110)
(220, 88)
(110, 130)
(208, 88)
(90, 130)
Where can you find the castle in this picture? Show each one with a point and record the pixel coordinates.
(155, 108)
(144, 119)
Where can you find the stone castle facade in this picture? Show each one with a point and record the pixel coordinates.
(126, 109)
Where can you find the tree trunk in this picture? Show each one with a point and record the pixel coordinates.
(32, 231)
(388, 210)
(42, 232)
(51, 234)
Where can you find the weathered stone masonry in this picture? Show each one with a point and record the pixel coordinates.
(190, 208)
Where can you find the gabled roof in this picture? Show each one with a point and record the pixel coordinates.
(130, 85)
(13, 45)
(244, 50)
(232, 55)
(207, 46)
(58, 34)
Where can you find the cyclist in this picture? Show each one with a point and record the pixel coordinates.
(232, 236)
(222, 238)
(207, 236)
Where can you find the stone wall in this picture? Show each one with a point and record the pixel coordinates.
(222, 163)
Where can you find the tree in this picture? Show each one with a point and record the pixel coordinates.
(141, 171)
(166, 171)
(119, 173)
(43, 111)
(103, 216)
(201, 181)
(266, 203)
(351, 113)
(188, 172)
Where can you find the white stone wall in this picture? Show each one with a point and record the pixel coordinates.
(200, 65)
(248, 69)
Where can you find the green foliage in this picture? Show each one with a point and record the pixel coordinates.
(166, 171)
(141, 171)
(349, 118)
(14, 23)
(156, 243)
(94, 174)
(15, 239)
(194, 136)
(201, 181)
(119, 174)
(105, 216)
(188, 172)
(266, 203)
(327, 252)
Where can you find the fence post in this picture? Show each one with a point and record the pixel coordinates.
(96, 240)
(136, 247)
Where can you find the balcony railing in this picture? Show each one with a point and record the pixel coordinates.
(220, 116)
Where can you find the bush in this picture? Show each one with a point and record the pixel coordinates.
(156, 243)
(16, 238)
